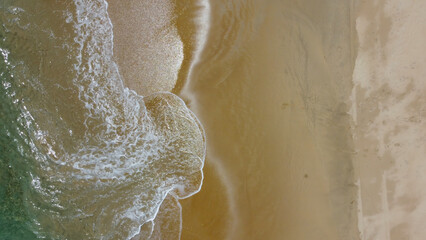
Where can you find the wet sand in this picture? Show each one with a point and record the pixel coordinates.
(272, 92)
(271, 89)
(307, 138)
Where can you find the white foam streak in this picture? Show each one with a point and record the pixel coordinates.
(203, 20)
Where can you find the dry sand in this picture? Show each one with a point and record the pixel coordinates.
(389, 113)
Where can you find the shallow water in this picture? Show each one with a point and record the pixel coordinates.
(84, 157)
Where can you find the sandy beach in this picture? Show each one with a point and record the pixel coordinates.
(314, 112)
(273, 104)
(389, 119)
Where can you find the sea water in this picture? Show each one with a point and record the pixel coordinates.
(81, 155)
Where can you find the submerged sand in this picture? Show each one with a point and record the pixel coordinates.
(309, 136)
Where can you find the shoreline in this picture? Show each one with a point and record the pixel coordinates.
(288, 112)
(193, 25)
(222, 189)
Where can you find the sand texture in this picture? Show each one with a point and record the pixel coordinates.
(313, 111)
(389, 119)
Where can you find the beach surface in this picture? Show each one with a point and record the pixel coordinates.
(313, 111)
(272, 91)
(389, 119)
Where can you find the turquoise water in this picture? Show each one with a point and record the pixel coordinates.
(82, 156)
(14, 153)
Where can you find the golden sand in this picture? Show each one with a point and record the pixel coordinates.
(272, 91)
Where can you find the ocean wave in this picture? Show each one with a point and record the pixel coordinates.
(98, 159)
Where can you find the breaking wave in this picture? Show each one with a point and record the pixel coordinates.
(82, 156)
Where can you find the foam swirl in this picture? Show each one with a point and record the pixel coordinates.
(102, 158)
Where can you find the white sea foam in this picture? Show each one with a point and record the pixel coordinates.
(203, 27)
(106, 157)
